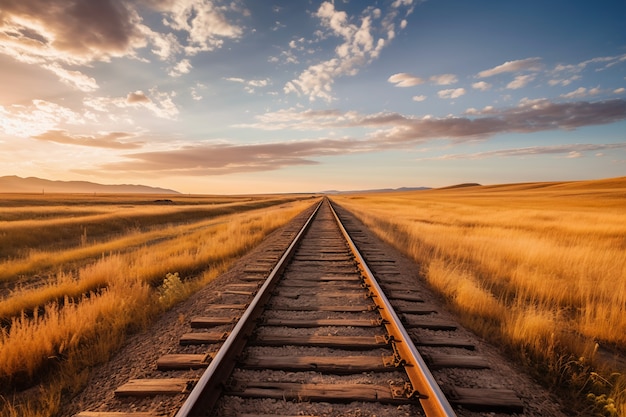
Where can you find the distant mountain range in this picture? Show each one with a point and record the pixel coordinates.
(15, 184)
(379, 190)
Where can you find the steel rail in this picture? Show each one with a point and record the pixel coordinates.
(432, 399)
(207, 390)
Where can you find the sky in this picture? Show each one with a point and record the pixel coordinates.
(249, 96)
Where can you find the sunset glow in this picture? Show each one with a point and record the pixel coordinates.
(211, 96)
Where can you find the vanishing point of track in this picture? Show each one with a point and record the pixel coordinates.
(317, 328)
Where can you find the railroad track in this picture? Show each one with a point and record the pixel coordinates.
(313, 331)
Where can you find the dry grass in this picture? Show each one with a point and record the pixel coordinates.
(538, 268)
(62, 338)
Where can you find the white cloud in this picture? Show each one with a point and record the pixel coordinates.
(183, 67)
(563, 81)
(619, 90)
(607, 61)
(451, 93)
(361, 43)
(419, 98)
(567, 151)
(206, 24)
(528, 64)
(444, 79)
(582, 92)
(520, 81)
(36, 118)
(74, 79)
(403, 79)
(481, 85)
(160, 104)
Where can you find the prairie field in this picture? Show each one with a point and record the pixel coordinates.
(539, 269)
(74, 267)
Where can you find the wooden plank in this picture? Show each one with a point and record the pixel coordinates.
(274, 415)
(486, 399)
(182, 361)
(150, 387)
(205, 322)
(442, 360)
(237, 292)
(328, 294)
(344, 342)
(440, 341)
(339, 309)
(227, 306)
(328, 364)
(244, 285)
(112, 414)
(202, 338)
(307, 323)
(418, 308)
(427, 322)
(321, 286)
(317, 392)
(405, 297)
(327, 257)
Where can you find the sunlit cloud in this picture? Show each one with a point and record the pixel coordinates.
(359, 46)
(520, 81)
(451, 93)
(566, 151)
(419, 98)
(444, 79)
(183, 67)
(161, 104)
(112, 140)
(528, 64)
(581, 92)
(76, 33)
(205, 22)
(481, 85)
(403, 79)
(603, 63)
(36, 118)
(388, 131)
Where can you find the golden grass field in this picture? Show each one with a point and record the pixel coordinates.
(73, 267)
(538, 268)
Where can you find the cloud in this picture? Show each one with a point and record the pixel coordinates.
(620, 90)
(206, 23)
(520, 81)
(481, 85)
(183, 67)
(159, 103)
(105, 140)
(606, 61)
(36, 118)
(219, 159)
(403, 79)
(69, 33)
(250, 85)
(563, 81)
(529, 116)
(569, 151)
(528, 64)
(451, 93)
(419, 98)
(359, 47)
(582, 92)
(388, 131)
(444, 79)
(138, 97)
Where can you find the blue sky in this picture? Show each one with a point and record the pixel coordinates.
(286, 96)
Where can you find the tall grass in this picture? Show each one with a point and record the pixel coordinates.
(539, 269)
(58, 343)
